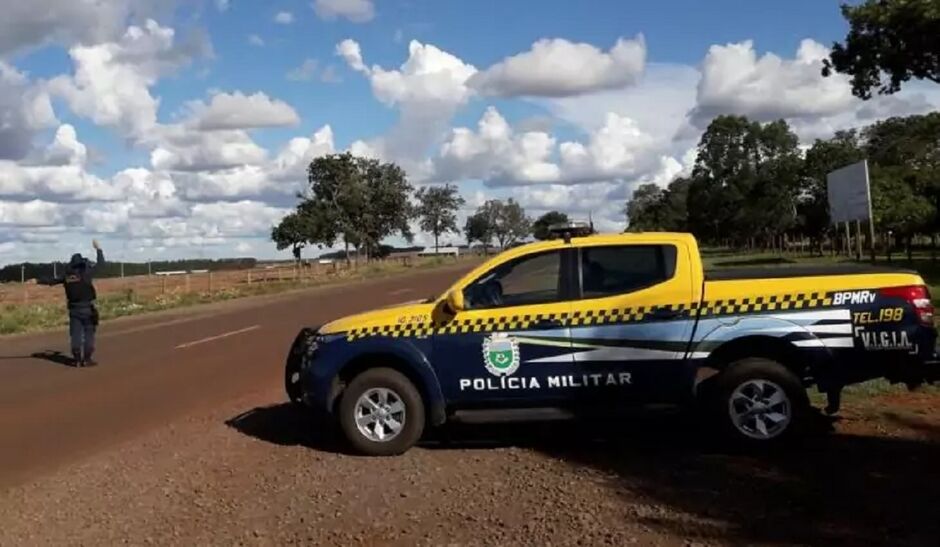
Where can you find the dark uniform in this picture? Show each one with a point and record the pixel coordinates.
(83, 316)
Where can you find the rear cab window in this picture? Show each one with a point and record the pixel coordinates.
(621, 269)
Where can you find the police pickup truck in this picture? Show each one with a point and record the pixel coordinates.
(600, 322)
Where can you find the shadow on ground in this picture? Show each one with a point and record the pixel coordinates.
(51, 356)
(832, 489)
(288, 425)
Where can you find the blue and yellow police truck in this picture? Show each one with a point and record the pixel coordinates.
(591, 322)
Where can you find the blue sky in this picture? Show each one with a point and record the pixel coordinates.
(170, 129)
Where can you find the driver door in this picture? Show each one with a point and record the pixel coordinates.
(511, 335)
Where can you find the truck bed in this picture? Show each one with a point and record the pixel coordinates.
(783, 272)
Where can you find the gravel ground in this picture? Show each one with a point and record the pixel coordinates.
(269, 477)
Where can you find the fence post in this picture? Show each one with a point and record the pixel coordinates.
(187, 283)
(249, 278)
(210, 282)
(163, 285)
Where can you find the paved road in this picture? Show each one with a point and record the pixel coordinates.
(157, 368)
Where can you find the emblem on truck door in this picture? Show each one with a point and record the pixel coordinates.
(501, 354)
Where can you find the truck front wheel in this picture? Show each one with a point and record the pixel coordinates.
(381, 413)
(758, 402)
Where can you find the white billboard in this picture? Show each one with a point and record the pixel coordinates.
(849, 193)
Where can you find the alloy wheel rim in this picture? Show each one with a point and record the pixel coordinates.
(380, 414)
(760, 409)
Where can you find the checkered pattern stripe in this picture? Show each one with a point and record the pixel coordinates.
(782, 302)
(509, 323)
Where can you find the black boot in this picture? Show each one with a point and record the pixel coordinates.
(77, 361)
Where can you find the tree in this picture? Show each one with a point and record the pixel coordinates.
(387, 209)
(896, 207)
(507, 221)
(745, 182)
(889, 42)
(479, 228)
(437, 209)
(293, 231)
(541, 227)
(644, 209)
(361, 200)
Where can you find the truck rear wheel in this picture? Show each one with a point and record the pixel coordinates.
(381, 413)
(758, 402)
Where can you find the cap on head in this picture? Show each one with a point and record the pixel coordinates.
(77, 260)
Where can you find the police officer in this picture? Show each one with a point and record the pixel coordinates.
(80, 294)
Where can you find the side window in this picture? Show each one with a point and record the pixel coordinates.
(532, 279)
(607, 271)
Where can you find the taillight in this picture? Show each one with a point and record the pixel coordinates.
(918, 296)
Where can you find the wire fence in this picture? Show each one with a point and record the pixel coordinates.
(207, 282)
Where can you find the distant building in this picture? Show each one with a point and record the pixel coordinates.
(446, 251)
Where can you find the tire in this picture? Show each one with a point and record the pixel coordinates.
(399, 403)
(781, 410)
(293, 381)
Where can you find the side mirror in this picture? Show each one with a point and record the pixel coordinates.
(455, 302)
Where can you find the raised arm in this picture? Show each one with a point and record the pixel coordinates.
(99, 259)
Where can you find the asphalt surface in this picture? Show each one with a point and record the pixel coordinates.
(156, 368)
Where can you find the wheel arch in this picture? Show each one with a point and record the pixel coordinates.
(408, 361)
(799, 361)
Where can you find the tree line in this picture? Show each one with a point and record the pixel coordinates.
(358, 202)
(114, 268)
(752, 185)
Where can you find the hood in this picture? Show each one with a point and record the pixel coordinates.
(77, 261)
(396, 314)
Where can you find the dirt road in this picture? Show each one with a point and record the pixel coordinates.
(180, 437)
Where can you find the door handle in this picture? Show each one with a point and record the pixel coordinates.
(664, 313)
(547, 324)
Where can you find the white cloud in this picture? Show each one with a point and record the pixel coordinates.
(25, 109)
(736, 81)
(112, 81)
(284, 18)
(183, 149)
(659, 103)
(58, 174)
(66, 22)
(305, 72)
(255, 40)
(498, 155)
(30, 213)
(56, 183)
(351, 52)
(427, 88)
(65, 148)
(357, 11)
(292, 161)
(239, 111)
(222, 5)
(430, 75)
(559, 68)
